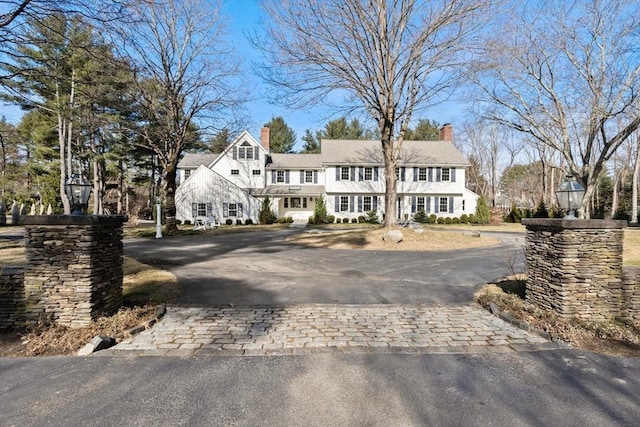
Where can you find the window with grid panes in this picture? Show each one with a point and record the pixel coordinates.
(422, 174)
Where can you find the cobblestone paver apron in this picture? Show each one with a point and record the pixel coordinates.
(309, 328)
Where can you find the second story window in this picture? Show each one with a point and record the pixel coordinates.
(422, 174)
(279, 176)
(308, 176)
(446, 176)
(368, 174)
(345, 175)
(187, 173)
(245, 151)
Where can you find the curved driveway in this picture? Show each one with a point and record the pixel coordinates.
(261, 268)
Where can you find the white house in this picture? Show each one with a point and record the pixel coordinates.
(348, 174)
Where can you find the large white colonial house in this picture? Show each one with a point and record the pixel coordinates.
(348, 174)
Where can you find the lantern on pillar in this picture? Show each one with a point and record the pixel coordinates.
(570, 195)
(77, 188)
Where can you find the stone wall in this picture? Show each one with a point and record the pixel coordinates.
(574, 267)
(12, 298)
(73, 272)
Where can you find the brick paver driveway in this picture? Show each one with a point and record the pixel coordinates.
(255, 294)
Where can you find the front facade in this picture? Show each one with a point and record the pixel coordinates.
(348, 174)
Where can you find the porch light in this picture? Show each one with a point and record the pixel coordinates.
(570, 195)
(77, 188)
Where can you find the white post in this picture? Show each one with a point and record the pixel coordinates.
(158, 221)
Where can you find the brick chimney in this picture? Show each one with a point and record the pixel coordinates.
(446, 132)
(265, 137)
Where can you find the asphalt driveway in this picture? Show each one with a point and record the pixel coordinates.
(261, 268)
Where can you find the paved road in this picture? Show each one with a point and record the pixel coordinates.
(548, 388)
(263, 269)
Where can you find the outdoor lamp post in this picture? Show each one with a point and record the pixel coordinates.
(77, 189)
(570, 195)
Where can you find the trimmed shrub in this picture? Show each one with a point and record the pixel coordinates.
(310, 220)
(345, 220)
(448, 220)
(361, 219)
(229, 221)
(238, 221)
(433, 218)
(338, 221)
(266, 214)
(289, 220)
(320, 211)
(483, 215)
(187, 222)
(372, 217)
(331, 219)
(354, 220)
(440, 220)
(421, 217)
(464, 218)
(455, 220)
(248, 221)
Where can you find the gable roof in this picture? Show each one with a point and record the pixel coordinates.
(369, 152)
(295, 161)
(193, 160)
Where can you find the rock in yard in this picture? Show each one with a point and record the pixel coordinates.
(393, 236)
(97, 343)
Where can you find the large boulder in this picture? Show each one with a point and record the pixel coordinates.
(393, 236)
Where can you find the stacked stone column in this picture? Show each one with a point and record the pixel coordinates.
(73, 272)
(574, 267)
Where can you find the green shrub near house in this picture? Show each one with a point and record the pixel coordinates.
(483, 215)
(266, 214)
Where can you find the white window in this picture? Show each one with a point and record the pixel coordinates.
(420, 204)
(295, 202)
(256, 172)
(286, 202)
(344, 203)
(235, 171)
(245, 151)
(422, 174)
(187, 173)
(366, 204)
(233, 209)
(368, 174)
(202, 209)
(444, 204)
(445, 176)
(304, 203)
(308, 176)
(279, 176)
(345, 174)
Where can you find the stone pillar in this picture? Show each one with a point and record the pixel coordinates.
(574, 267)
(73, 272)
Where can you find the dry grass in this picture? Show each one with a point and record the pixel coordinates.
(371, 239)
(614, 337)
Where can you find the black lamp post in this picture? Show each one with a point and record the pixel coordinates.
(77, 189)
(570, 195)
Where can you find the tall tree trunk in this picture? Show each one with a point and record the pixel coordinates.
(169, 187)
(388, 152)
(634, 185)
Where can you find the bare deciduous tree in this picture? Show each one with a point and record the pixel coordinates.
(567, 74)
(186, 73)
(389, 58)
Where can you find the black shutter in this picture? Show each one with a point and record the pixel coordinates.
(415, 174)
(256, 153)
(315, 177)
(351, 204)
(239, 209)
(209, 209)
(301, 177)
(286, 177)
(452, 174)
(273, 177)
(194, 210)
(359, 203)
(337, 207)
(375, 173)
(428, 205)
(235, 153)
(353, 173)
(438, 174)
(403, 171)
(413, 204)
(430, 174)
(225, 210)
(451, 204)
(337, 173)
(436, 204)
(375, 203)
(360, 173)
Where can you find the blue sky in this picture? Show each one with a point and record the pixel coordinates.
(245, 17)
